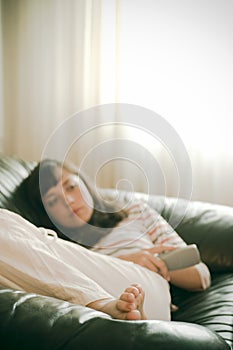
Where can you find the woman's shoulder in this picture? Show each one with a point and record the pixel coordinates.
(139, 207)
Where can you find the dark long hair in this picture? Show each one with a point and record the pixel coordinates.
(46, 175)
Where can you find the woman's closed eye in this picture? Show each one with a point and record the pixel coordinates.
(71, 186)
(51, 202)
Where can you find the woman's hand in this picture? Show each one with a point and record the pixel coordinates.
(147, 258)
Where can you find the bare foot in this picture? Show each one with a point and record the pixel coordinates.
(129, 306)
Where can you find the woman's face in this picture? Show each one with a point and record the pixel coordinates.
(69, 202)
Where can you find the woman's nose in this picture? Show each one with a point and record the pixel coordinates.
(69, 198)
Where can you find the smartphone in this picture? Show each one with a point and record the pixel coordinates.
(181, 258)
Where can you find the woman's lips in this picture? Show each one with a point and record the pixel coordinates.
(77, 210)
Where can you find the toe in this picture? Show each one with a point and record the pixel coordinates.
(133, 315)
(132, 289)
(129, 297)
(125, 306)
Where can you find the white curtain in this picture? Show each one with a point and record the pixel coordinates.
(51, 68)
(173, 57)
(1, 83)
(176, 58)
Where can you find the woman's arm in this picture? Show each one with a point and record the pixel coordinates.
(194, 278)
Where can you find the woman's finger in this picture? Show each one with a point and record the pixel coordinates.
(162, 267)
(152, 266)
(161, 248)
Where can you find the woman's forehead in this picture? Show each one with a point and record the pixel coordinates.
(69, 176)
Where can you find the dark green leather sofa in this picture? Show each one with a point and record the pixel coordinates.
(204, 320)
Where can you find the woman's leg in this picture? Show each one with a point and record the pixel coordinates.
(114, 275)
(36, 262)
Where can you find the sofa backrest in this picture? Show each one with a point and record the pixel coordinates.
(12, 172)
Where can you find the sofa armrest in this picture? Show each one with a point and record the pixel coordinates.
(208, 225)
(30, 321)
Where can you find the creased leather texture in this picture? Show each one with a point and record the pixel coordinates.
(204, 319)
(29, 321)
